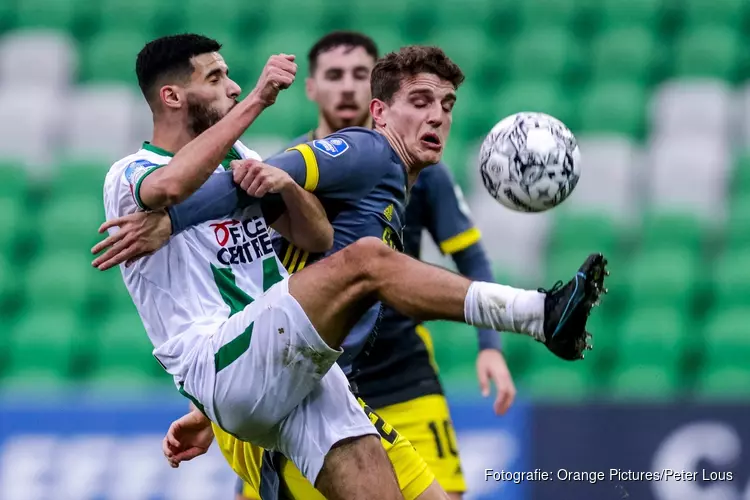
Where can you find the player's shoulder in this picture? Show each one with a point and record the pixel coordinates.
(133, 164)
(363, 144)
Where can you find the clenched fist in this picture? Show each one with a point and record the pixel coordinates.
(258, 179)
(278, 74)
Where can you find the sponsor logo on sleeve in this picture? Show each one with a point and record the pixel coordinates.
(333, 147)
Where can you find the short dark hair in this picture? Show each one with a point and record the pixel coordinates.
(169, 57)
(409, 61)
(335, 39)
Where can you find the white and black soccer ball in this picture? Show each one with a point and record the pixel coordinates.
(530, 162)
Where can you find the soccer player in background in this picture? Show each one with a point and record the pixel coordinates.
(397, 376)
(413, 106)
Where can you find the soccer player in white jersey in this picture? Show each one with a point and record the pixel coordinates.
(266, 372)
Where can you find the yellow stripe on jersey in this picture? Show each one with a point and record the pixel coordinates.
(297, 253)
(424, 334)
(461, 241)
(287, 255)
(311, 163)
(303, 261)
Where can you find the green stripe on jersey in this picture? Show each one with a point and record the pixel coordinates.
(233, 295)
(229, 352)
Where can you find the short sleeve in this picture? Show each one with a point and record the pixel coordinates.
(134, 174)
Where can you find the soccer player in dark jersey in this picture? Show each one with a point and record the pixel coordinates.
(397, 376)
(362, 177)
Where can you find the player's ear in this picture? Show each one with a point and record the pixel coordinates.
(310, 89)
(170, 96)
(377, 110)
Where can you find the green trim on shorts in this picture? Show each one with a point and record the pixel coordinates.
(229, 352)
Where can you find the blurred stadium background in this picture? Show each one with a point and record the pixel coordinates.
(655, 92)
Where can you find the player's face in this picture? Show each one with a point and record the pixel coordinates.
(211, 93)
(420, 114)
(341, 86)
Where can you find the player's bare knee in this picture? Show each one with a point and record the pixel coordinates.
(370, 254)
(361, 457)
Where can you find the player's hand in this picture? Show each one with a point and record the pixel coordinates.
(277, 74)
(491, 366)
(258, 179)
(188, 437)
(140, 234)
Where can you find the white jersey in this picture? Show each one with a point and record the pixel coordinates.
(205, 274)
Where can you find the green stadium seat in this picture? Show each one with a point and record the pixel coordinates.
(455, 345)
(378, 15)
(45, 340)
(542, 54)
(585, 233)
(225, 19)
(724, 382)
(14, 181)
(644, 382)
(129, 383)
(737, 231)
(708, 52)
(472, 117)
(542, 13)
(46, 14)
(517, 350)
(297, 42)
(292, 103)
(71, 224)
(110, 56)
(9, 283)
(741, 174)
(731, 278)
(625, 53)
(714, 12)
(463, 14)
(12, 227)
(663, 277)
(566, 382)
(385, 39)
(646, 13)
(122, 343)
(615, 107)
(58, 282)
(656, 336)
(465, 46)
(80, 177)
(545, 97)
(669, 229)
(726, 338)
(39, 382)
(122, 15)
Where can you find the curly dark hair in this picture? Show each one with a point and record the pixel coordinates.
(394, 67)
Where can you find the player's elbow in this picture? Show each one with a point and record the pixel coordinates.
(163, 192)
(322, 239)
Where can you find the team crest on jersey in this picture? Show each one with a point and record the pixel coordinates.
(332, 147)
(137, 169)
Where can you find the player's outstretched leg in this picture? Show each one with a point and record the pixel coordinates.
(358, 469)
(337, 290)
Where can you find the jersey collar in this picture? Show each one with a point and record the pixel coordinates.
(231, 155)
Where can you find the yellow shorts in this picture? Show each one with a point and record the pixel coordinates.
(414, 476)
(426, 423)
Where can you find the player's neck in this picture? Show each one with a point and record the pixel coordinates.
(170, 138)
(413, 167)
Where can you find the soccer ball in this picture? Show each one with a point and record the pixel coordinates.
(530, 162)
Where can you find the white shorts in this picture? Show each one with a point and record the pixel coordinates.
(268, 378)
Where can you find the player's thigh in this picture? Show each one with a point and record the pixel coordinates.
(327, 416)
(415, 479)
(427, 424)
(335, 291)
(413, 473)
(266, 359)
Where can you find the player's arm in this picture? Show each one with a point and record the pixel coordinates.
(188, 437)
(342, 166)
(163, 186)
(450, 225)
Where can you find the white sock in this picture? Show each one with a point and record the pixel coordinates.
(505, 309)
